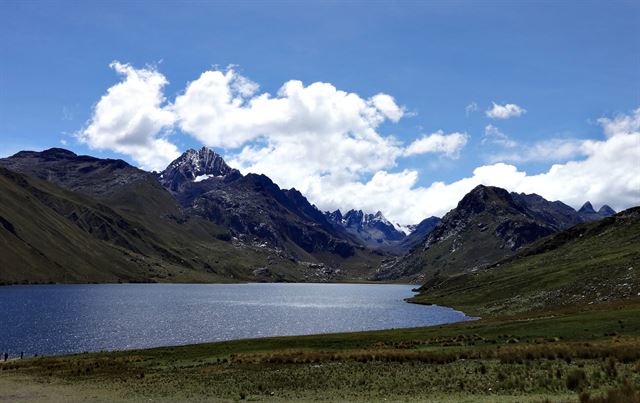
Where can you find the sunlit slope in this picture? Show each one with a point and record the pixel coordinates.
(50, 234)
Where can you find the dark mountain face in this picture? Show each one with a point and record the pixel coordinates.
(556, 214)
(82, 173)
(488, 224)
(194, 166)
(255, 209)
(373, 230)
(606, 211)
(419, 233)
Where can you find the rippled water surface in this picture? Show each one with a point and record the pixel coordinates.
(57, 319)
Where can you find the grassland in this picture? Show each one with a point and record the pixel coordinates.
(562, 355)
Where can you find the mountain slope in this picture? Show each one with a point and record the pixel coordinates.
(144, 219)
(43, 238)
(487, 225)
(203, 216)
(588, 263)
(258, 213)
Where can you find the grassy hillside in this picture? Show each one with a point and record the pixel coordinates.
(50, 234)
(589, 263)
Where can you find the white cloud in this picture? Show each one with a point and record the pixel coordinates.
(215, 111)
(448, 144)
(622, 123)
(608, 174)
(493, 135)
(130, 118)
(553, 150)
(504, 111)
(469, 109)
(326, 143)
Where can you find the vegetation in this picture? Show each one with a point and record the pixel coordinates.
(138, 234)
(587, 264)
(564, 355)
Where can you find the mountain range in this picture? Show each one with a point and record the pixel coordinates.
(487, 225)
(74, 218)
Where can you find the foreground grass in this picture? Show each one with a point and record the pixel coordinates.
(556, 356)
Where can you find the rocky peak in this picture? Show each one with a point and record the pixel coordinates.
(372, 229)
(606, 211)
(194, 166)
(335, 216)
(588, 213)
(587, 208)
(483, 197)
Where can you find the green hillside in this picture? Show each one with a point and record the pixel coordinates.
(587, 264)
(49, 234)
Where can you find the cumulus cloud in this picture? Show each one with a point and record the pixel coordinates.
(504, 111)
(221, 110)
(448, 144)
(493, 135)
(131, 118)
(608, 173)
(326, 143)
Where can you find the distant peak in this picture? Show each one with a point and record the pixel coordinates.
(605, 210)
(587, 208)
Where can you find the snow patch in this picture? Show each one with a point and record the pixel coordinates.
(200, 178)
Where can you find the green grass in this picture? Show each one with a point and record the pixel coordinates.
(554, 356)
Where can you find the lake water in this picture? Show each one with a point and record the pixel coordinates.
(58, 319)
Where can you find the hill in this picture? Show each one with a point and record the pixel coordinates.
(587, 264)
(487, 225)
(201, 221)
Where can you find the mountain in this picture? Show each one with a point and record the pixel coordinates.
(556, 214)
(373, 230)
(488, 224)
(255, 210)
(52, 234)
(126, 213)
(586, 264)
(418, 233)
(588, 213)
(195, 166)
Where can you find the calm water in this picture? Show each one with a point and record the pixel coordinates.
(57, 319)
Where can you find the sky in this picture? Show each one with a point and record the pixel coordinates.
(401, 107)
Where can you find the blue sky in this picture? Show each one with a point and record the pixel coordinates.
(567, 64)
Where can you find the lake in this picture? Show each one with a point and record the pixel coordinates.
(60, 319)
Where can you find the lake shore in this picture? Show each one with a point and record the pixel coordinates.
(556, 355)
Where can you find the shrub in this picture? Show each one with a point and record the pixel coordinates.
(576, 380)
